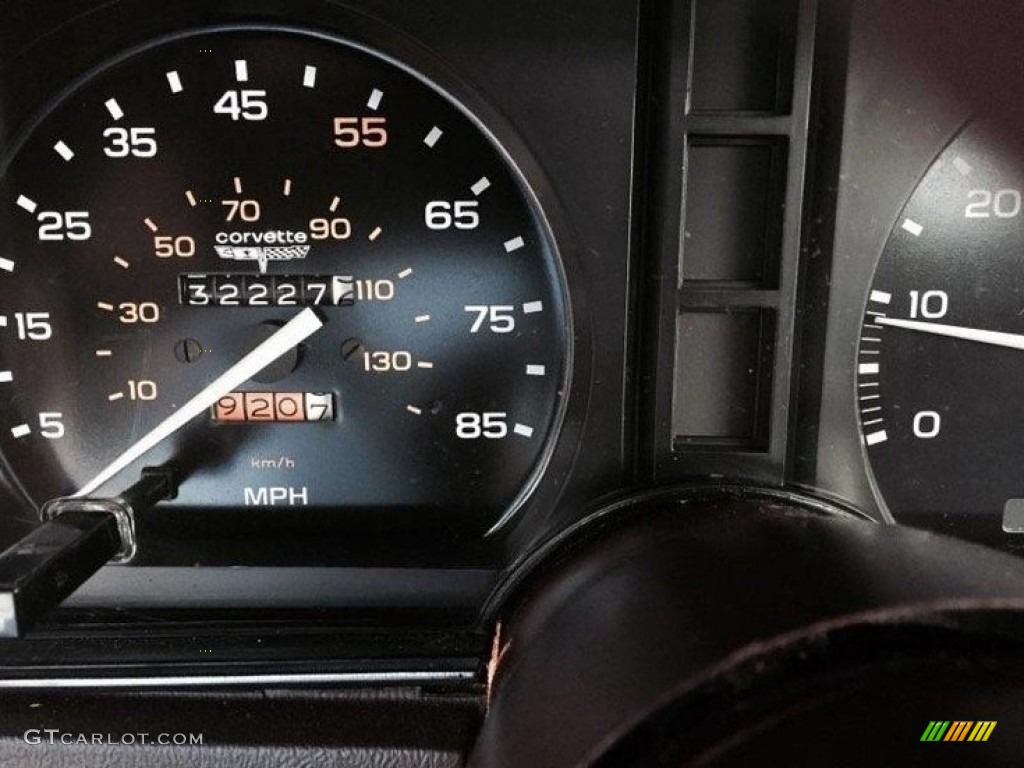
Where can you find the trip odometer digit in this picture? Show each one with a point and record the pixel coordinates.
(182, 205)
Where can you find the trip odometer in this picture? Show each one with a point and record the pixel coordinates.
(941, 356)
(179, 207)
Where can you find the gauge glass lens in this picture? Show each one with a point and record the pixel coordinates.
(179, 206)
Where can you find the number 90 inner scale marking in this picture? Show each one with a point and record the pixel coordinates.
(180, 205)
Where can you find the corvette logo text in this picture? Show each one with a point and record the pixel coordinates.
(262, 247)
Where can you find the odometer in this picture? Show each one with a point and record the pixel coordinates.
(181, 205)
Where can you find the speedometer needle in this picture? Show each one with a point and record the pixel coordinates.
(996, 338)
(300, 327)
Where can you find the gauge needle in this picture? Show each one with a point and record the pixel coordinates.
(300, 327)
(996, 338)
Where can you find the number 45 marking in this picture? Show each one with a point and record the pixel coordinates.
(243, 105)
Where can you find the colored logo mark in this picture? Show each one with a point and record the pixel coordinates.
(958, 730)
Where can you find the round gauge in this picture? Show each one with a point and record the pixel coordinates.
(941, 356)
(301, 212)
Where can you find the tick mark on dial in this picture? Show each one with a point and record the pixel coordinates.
(481, 186)
(876, 437)
(913, 227)
(64, 151)
(114, 109)
(433, 137)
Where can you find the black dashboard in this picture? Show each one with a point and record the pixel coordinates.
(476, 373)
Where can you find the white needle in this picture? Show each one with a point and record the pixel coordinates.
(300, 327)
(997, 338)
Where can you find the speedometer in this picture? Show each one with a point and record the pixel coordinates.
(178, 207)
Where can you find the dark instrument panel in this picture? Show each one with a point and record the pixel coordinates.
(330, 332)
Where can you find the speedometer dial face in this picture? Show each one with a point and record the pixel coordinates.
(941, 356)
(180, 205)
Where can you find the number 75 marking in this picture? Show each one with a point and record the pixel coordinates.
(498, 319)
